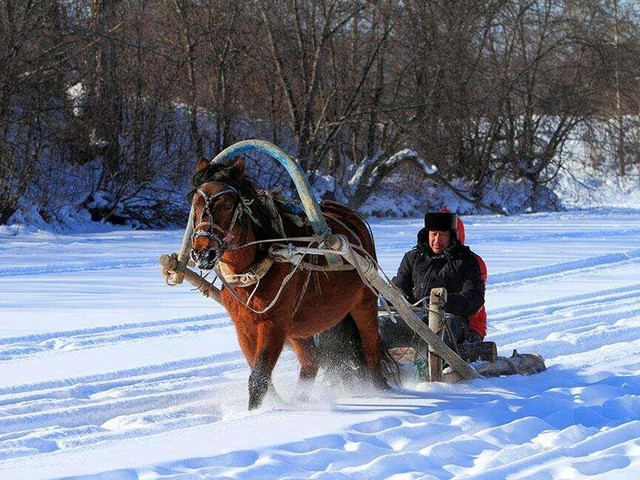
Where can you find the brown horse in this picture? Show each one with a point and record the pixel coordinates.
(229, 215)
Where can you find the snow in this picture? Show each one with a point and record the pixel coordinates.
(107, 373)
(77, 94)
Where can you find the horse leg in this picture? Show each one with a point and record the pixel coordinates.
(269, 346)
(247, 340)
(309, 356)
(365, 314)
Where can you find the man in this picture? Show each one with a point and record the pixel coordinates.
(440, 260)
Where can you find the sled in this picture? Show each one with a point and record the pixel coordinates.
(482, 355)
(337, 251)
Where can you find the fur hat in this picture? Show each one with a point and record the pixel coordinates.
(440, 221)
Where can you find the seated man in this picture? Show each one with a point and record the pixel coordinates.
(440, 260)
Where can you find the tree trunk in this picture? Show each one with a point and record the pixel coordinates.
(106, 106)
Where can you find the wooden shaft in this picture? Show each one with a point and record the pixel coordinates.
(392, 309)
(173, 266)
(437, 301)
(185, 248)
(521, 364)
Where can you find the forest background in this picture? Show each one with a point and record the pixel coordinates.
(106, 105)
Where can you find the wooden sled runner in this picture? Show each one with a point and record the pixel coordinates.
(517, 364)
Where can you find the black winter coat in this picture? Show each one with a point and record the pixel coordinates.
(456, 269)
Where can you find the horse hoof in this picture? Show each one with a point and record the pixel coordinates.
(255, 401)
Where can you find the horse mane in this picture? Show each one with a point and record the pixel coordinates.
(217, 172)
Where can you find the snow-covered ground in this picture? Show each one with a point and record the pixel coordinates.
(106, 372)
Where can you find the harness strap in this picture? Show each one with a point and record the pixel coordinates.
(317, 268)
(211, 225)
(258, 270)
(250, 277)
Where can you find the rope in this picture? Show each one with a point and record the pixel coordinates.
(312, 239)
(321, 268)
(303, 292)
(285, 281)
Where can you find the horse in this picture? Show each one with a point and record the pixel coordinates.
(231, 221)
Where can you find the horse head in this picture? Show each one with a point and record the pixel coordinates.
(218, 206)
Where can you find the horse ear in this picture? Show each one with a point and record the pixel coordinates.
(237, 169)
(202, 163)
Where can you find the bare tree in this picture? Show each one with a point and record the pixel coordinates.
(185, 40)
(300, 36)
(104, 102)
(32, 101)
(123, 95)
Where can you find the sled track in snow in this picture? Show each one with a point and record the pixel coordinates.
(17, 347)
(596, 300)
(19, 271)
(591, 264)
(47, 416)
(572, 324)
(500, 279)
(505, 439)
(549, 234)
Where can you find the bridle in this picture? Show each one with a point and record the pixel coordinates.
(207, 220)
